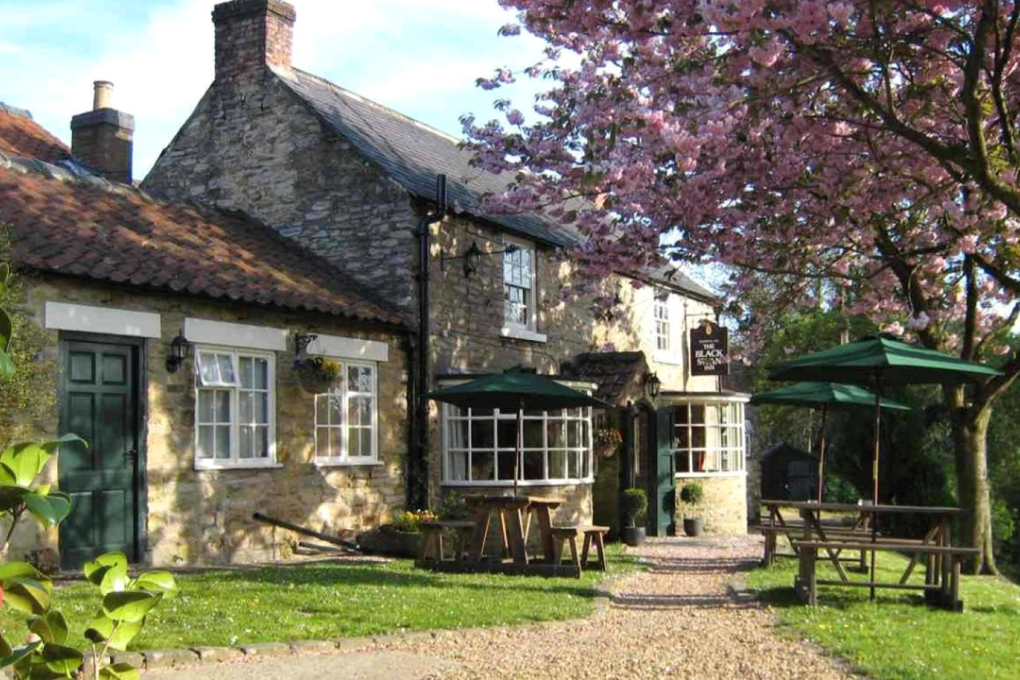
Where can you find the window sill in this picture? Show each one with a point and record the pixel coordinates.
(518, 333)
(661, 357)
(686, 475)
(333, 462)
(271, 465)
(522, 483)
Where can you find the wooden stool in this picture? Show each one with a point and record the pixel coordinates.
(594, 534)
(561, 535)
(432, 539)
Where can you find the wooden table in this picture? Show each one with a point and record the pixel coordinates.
(514, 516)
(938, 574)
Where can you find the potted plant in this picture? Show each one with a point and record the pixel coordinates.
(317, 374)
(400, 538)
(607, 439)
(691, 495)
(633, 506)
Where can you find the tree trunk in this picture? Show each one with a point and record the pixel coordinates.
(970, 448)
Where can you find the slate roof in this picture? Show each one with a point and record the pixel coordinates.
(22, 136)
(619, 375)
(412, 154)
(65, 220)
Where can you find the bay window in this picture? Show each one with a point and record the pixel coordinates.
(479, 446)
(235, 408)
(708, 437)
(346, 418)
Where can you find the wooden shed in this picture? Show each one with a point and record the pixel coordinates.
(789, 474)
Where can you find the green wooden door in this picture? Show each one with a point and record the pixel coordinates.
(100, 404)
(662, 494)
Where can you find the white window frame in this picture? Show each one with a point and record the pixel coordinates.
(235, 461)
(663, 324)
(345, 459)
(452, 415)
(531, 327)
(733, 452)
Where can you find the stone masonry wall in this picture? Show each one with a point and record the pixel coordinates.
(723, 505)
(205, 516)
(251, 145)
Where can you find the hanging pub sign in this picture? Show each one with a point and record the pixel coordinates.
(710, 352)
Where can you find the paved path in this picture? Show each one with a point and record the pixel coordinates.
(679, 619)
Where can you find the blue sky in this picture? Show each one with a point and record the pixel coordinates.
(420, 57)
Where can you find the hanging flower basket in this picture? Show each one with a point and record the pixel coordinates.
(317, 374)
(607, 440)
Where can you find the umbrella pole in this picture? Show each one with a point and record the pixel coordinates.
(517, 453)
(874, 474)
(821, 454)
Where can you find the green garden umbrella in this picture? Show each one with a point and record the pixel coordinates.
(880, 361)
(823, 396)
(877, 361)
(517, 392)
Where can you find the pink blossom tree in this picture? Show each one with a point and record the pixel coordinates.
(833, 145)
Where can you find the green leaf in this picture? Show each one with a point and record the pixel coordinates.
(157, 582)
(5, 275)
(130, 605)
(51, 627)
(7, 367)
(101, 630)
(50, 509)
(9, 570)
(6, 330)
(109, 572)
(28, 595)
(20, 653)
(120, 671)
(5, 647)
(61, 659)
(26, 460)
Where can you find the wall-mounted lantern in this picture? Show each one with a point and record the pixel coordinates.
(180, 349)
(652, 385)
(472, 257)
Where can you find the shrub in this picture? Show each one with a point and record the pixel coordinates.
(634, 506)
(691, 494)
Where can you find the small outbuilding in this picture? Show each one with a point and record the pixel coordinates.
(789, 474)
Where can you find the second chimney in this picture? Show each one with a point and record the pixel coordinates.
(103, 137)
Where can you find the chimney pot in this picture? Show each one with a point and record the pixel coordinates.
(102, 97)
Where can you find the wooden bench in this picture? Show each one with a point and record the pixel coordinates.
(432, 539)
(795, 532)
(942, 578)
(593, 535)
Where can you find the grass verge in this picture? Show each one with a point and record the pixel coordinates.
(325, 601)
(898, 637)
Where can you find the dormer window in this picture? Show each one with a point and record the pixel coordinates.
(519, 287)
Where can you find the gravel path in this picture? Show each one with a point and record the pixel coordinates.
(680, 619)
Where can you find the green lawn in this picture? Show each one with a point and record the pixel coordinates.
(327, 601)
(898, 637)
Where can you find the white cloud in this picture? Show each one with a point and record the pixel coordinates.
(418, 56)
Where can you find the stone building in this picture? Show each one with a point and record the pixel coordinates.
(355, 183)
(175, 331)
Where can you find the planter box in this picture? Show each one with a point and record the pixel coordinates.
(390, 542)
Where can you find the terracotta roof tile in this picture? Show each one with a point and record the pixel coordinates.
(67, 224)
(21, 136)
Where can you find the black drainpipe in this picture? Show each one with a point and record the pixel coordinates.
(418, 477)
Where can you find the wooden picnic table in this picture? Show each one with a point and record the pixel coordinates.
(936, 544)
(514, 514)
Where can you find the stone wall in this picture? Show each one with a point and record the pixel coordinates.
(205, 516)
(723, 505)
(251, 145)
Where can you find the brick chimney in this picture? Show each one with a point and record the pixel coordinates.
(251, 34)
(103, 136)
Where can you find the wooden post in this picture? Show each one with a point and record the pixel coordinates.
(821, 454)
